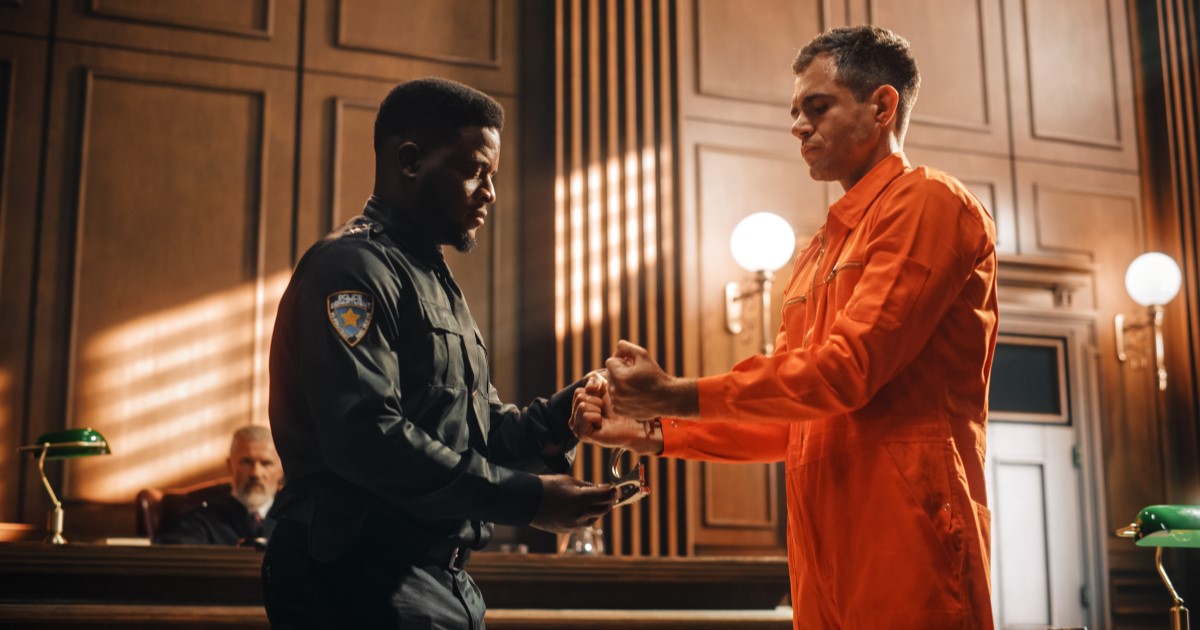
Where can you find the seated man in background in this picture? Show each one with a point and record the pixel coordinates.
(241, 517)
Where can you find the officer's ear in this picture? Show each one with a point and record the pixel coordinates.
(408, 158)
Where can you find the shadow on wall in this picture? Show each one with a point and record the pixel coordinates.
(168, 389)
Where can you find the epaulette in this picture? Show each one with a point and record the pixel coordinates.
(364, 226)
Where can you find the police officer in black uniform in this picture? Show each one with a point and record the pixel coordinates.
(398, 452)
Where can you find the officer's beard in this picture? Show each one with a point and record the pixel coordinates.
(465, 243)
(442, 227)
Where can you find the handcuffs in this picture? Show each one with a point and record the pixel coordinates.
(631, 484)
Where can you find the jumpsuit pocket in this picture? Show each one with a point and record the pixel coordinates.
(885, 296)
(795, 320)
(842, 279)
(925, 478)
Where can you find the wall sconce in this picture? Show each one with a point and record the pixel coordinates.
(761, 243)
(62, 445)
(1152, 280)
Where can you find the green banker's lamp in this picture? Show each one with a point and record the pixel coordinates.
(63, 445)
(1161, 526)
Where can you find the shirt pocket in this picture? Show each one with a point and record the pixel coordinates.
(445, 343)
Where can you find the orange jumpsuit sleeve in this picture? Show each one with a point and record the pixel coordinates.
(732, 442)
(923, 244)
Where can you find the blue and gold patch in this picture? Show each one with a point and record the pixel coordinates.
(350, 313)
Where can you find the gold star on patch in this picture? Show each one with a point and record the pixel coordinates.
(350, 318)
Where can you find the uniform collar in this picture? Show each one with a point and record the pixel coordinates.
(401, 228)
(849, 210)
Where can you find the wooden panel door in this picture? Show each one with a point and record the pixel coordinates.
(22, 73)
(1070, 88)
(337, 175)
(961, 105)
(264, 31)
(31, 17)
(473, 41)
(165, 247)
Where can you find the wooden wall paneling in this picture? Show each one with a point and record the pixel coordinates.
(736, 64)
(990, 178)
(31, 17)
(1087, 214)
(337, 175)
(1082, 215)
(729, 172)
(262, 31)
(960, 54)
(22, 82)
(473, 41)
(165, 248)
(1071, 97)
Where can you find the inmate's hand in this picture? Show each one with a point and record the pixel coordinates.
(568, 503)
(641, 389)
(594, 421)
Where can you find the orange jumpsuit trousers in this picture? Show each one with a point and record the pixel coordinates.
(876, 399)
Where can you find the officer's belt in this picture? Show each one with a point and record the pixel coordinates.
(388, 534)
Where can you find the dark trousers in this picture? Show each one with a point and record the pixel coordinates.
(370, 586)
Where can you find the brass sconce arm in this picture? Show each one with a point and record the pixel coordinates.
(734, 298)
(1155, 320)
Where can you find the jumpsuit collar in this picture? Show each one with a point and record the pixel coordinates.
(405, 231)
(852, 206)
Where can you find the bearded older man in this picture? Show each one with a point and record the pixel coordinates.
(241, 517)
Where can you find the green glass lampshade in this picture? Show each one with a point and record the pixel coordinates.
(70, 443)
(1168, 526)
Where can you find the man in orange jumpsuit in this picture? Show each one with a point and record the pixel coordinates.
(876, 394)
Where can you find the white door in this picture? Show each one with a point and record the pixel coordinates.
(1042, 442)
(1038, 568)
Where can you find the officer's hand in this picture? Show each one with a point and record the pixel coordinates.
(594, 421)
(568, 503)
(590, 405)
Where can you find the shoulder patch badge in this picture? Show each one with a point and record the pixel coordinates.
(350, 314)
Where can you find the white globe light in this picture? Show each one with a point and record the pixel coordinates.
(762, 242)
(1153, 279)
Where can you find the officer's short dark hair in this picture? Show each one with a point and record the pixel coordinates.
(430, 110)
(866, 58)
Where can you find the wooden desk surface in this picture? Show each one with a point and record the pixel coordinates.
(185, 585)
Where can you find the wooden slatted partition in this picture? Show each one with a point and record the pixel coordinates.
(616, 274)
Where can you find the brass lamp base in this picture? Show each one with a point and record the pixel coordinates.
(54, 523)
(1179, 617)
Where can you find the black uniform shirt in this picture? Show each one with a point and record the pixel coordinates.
(381, 406)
